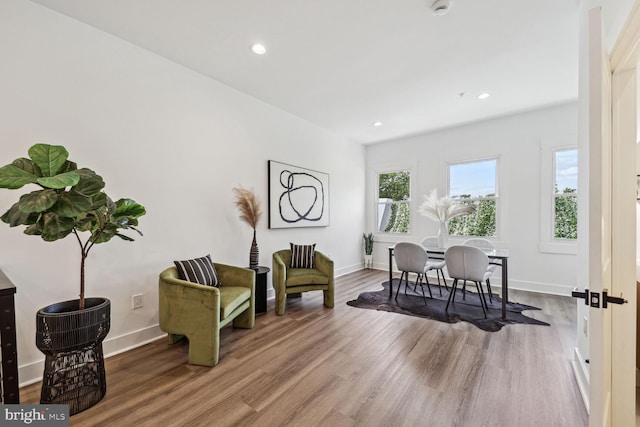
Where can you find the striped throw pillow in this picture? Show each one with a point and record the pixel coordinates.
(302, 256)
(199, 270)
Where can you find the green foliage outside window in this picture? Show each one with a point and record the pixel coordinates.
(394, 187)
(480, 223)
(398, 220)
(566, 215)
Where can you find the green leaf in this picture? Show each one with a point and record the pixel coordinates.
(68, 167)
(13, 177)
(107, 233)
(14, 216)
(62, 180)
(90, 183)
(98, 201)
(128, 208)
(33, 230)
(37, 201)
(49, 158)
(71, 204)
(54, 227)
(123, 237)
(27, 165)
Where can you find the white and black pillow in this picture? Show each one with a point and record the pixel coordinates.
(302, 256)
(198, 270)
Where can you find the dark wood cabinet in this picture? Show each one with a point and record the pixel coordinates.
(10, 391)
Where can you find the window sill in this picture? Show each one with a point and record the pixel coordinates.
(568, 248)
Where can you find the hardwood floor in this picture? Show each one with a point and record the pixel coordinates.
(353, 367)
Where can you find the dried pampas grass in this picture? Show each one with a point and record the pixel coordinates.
(248, 205)
(444, 208)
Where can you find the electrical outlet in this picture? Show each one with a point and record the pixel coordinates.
(585, 328)
(136, 301)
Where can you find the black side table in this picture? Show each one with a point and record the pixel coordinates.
(261, 289)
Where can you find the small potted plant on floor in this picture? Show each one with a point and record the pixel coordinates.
(69, 202)
(368, 249)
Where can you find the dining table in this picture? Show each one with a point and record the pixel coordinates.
(499, 257)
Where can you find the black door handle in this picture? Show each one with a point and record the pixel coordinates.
(613, 300)
(584, 295)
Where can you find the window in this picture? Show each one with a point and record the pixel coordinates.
(474, 183)
(394, 197)
(565, 194)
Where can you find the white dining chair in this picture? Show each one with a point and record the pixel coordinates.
(467, 263)
(412, 258)
(436, 264)
(481, 243)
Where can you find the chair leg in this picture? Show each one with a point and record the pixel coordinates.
(422, 289)
(490, 292)
(426, 279)
(452, 293)
(439, 284)
(483, 303)
(443, 278)
(441, 273)
(464, 290)
(415, 285)
(400, 283)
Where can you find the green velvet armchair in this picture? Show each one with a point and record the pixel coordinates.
(198, 312)
(288, 280)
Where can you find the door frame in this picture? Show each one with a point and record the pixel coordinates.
(624, 59)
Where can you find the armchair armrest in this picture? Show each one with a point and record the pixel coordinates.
(324, 264)
(279, 273)
(231, 275)
(182, 301)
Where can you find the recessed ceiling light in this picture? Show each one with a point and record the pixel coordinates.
(259, 49)
(440, 7)
(376, 124)
(484, 95)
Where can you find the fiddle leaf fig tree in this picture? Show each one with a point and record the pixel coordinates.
(68, 201)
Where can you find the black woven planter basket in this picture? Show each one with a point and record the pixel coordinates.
(72, 343)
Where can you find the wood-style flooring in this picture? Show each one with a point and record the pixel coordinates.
(353, 367)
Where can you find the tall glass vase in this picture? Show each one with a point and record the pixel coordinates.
(253, 254)
(443, 235)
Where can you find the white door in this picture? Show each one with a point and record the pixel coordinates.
(599, 223)
(594, 216)
(624, 58)
(606, 254)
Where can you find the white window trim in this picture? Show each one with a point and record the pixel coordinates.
(549, 244)
(498, 196)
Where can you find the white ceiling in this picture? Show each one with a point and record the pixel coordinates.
(344, 64)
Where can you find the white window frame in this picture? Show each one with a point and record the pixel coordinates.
(376, 191)
(548, 242)
(497, 197)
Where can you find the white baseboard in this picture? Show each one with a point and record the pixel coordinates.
(581, 372)
(32, 372)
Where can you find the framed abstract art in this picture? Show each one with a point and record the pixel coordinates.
(298, 197)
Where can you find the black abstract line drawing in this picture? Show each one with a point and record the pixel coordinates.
(302, 198)
(298, 197)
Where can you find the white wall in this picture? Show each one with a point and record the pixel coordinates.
(517, 141)
(170, 138)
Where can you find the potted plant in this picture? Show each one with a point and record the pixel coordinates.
(250, 212)
(368, 249)
(69, 201)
